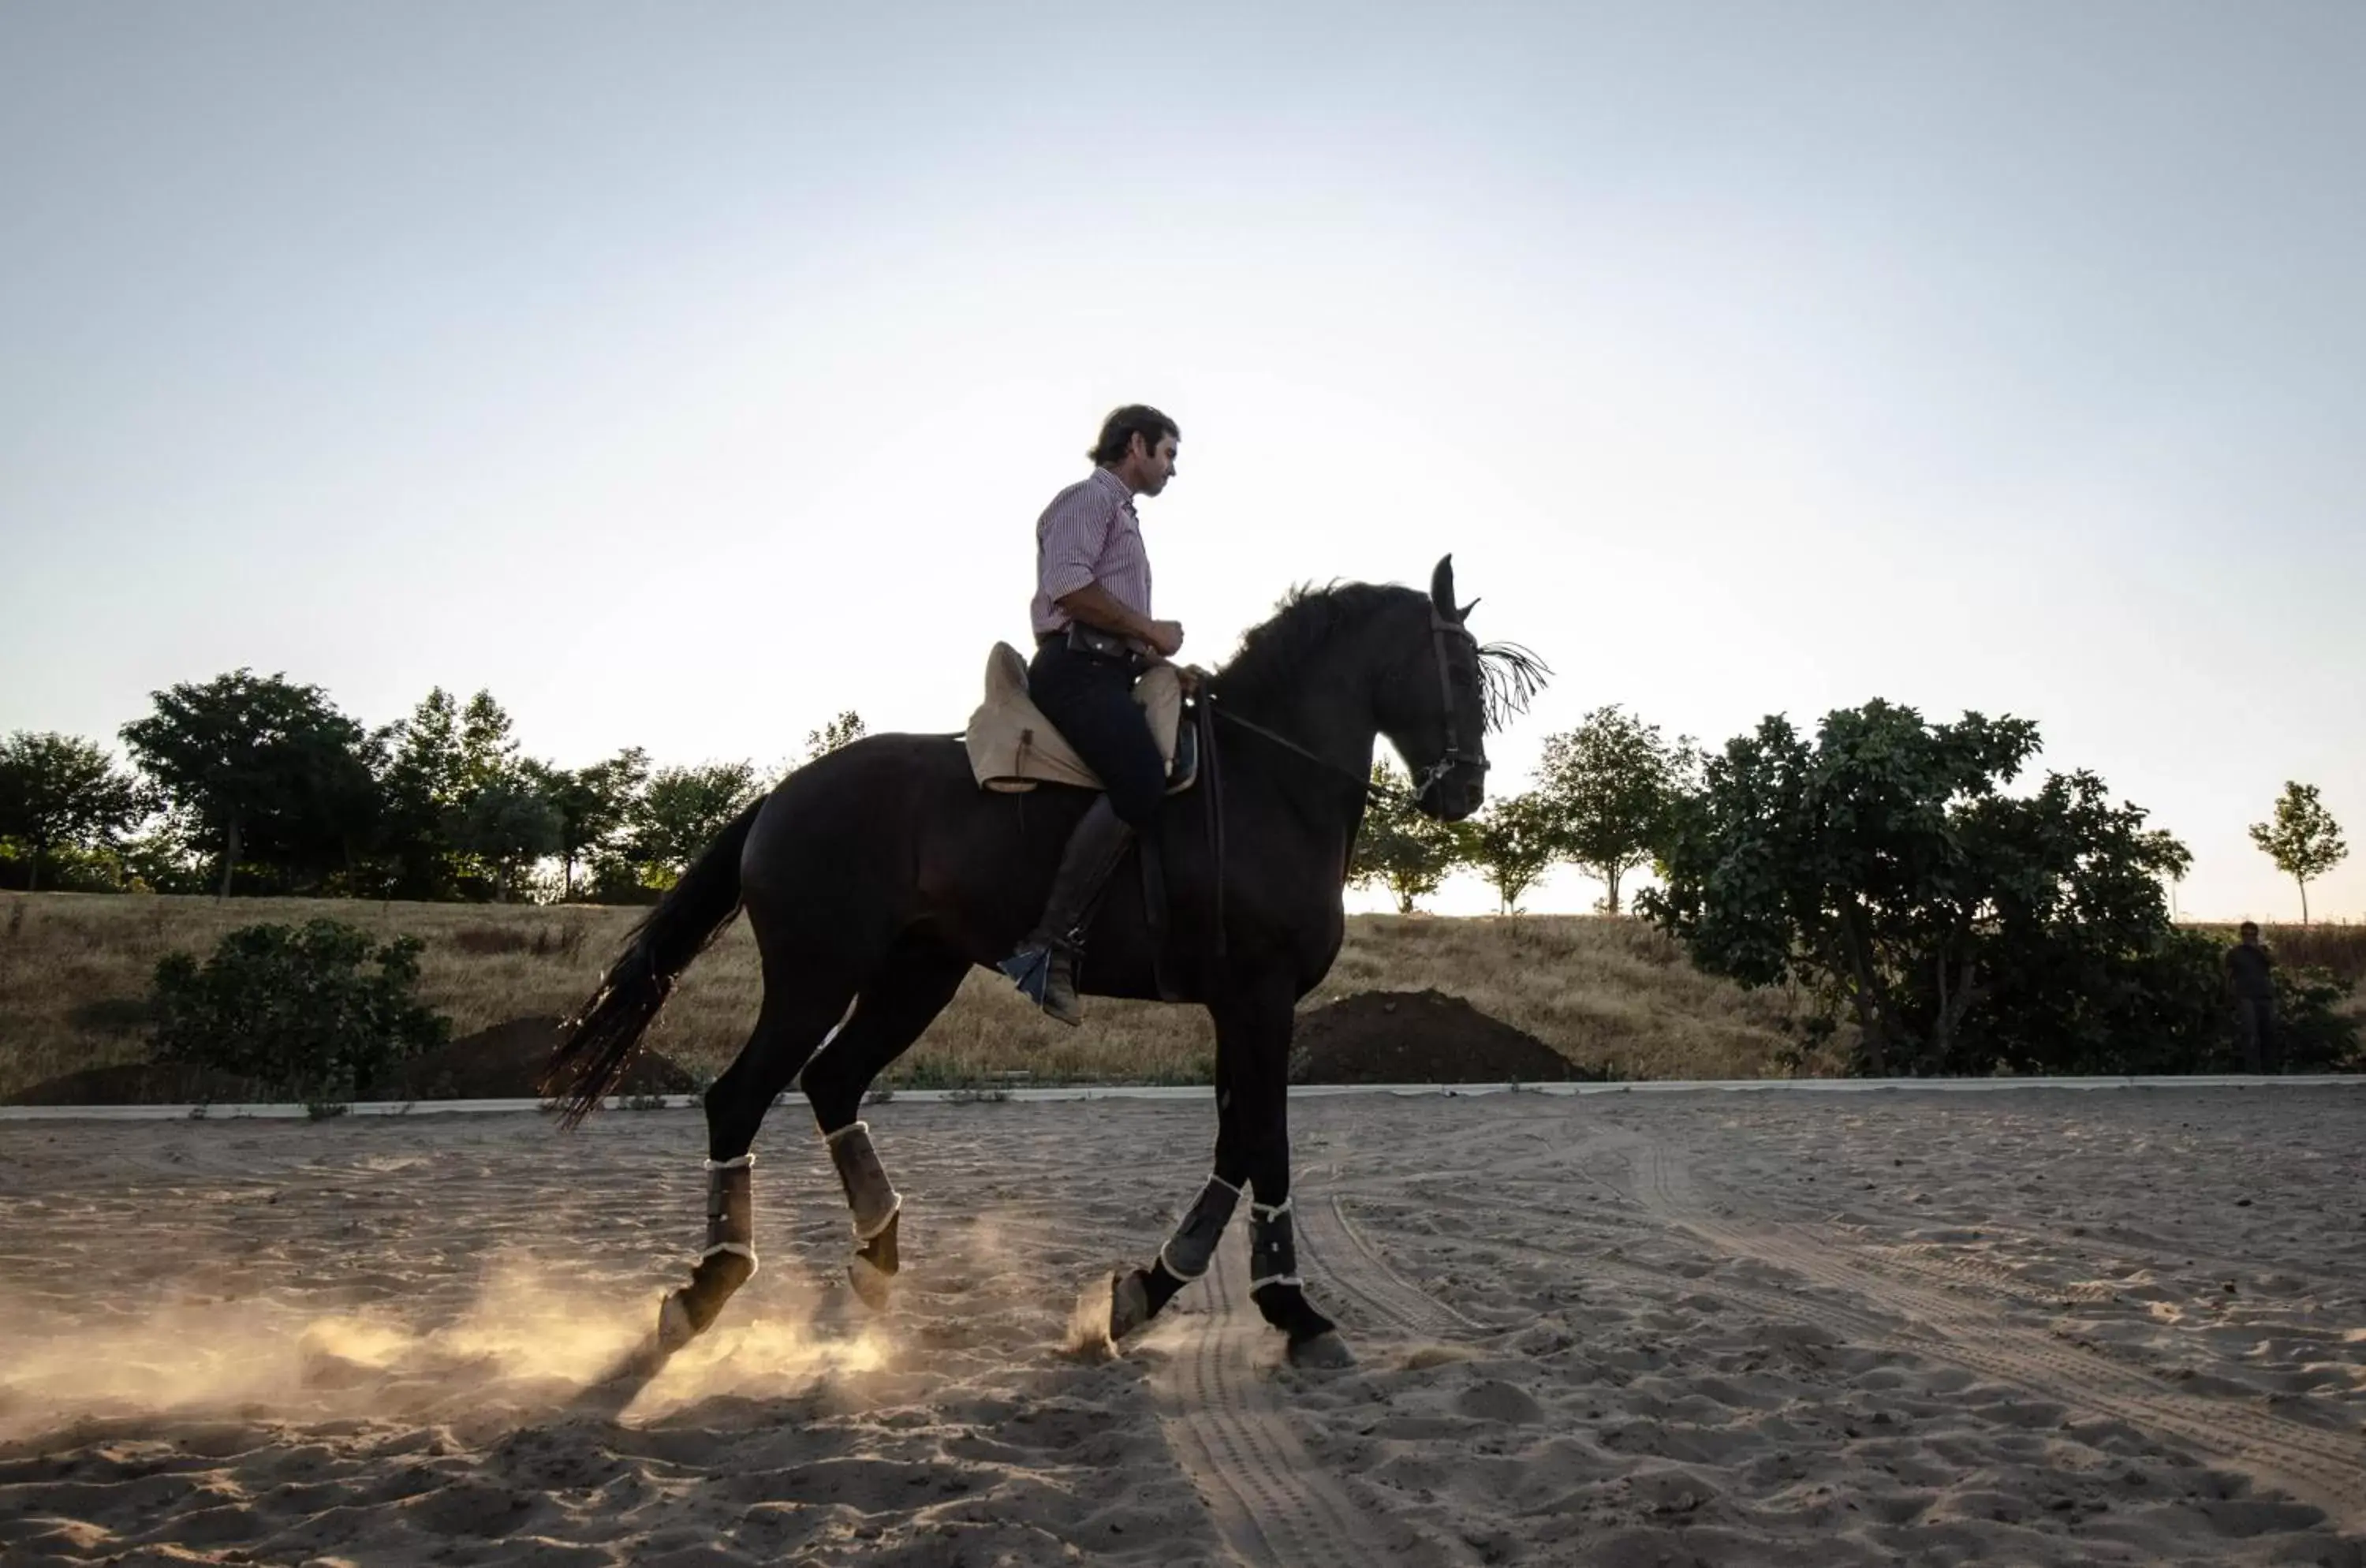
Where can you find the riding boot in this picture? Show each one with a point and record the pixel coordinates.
(1045, 963)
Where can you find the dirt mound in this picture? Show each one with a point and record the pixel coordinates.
(504, 1061)
(1420, 1037)
(145, 1083)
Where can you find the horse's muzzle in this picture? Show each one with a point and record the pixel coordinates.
(1452, 798)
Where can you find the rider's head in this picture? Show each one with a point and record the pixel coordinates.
(1138, 445)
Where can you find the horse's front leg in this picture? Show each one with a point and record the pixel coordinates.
(1253, 1030)
(1140, 1294)
(1259, 1119)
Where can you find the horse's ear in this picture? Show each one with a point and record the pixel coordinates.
(1464, 614)
(1441, 586)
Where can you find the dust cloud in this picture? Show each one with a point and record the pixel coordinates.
(521, 1342)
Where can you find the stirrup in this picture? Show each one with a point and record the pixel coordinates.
(1030, 968)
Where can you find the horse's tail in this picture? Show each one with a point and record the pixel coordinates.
(601, 1039)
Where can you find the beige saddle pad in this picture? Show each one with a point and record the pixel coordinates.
(1013, 747)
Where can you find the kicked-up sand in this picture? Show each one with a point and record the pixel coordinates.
(2036, 1327)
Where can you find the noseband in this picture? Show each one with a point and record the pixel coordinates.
(1440, 629)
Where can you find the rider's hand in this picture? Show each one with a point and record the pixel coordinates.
(1165, 638)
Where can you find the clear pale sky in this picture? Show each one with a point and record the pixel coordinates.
(684, 372)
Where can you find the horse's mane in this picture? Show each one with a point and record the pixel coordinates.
(1267, 667)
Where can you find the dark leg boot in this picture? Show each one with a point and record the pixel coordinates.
(1045, 964)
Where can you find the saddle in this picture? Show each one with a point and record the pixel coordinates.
(1013, 748)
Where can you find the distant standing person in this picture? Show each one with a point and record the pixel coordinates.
(1094, 635)
(2249, 969)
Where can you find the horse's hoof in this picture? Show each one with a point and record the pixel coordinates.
(1321, 1352)
(873, 1283)
(674, 1327)
(1129, 1303)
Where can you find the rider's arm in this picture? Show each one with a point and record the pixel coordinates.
(1094, 605)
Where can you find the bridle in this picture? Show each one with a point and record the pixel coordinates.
(1441, 627)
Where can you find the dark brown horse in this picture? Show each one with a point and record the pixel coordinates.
(877, 875)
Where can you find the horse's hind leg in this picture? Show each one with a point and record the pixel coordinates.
(921, 977)
(799, 1009)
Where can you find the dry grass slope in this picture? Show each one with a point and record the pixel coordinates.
(1606, 993)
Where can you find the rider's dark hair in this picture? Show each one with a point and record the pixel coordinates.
(1119, 430)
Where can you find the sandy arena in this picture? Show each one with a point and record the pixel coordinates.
(2039, 1327)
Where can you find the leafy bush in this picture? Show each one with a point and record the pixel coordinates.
(2162, 1008)
(1882, 868)
(2313, 1034)
(317, 1011)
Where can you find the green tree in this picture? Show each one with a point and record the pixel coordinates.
(840, 731)
(594, 803)
(1511, 842)
(508, 822)
(161, 859)
(487, 751)
(466, 812)
(681, 812)
(2175, 861)
(1612, 783)
(1399, 847)
(504, 819)
(423, 783)
(62, 792)
(266, 771)
(2302, 839)
(1883, 869)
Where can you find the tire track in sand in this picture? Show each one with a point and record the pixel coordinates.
(1273, 1505)
(1940, 1263)
(1331, 1245)
(2325, 1467)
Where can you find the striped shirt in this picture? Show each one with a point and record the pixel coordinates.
(1089, 534)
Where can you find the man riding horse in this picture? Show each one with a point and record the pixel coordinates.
(876, 877)
(1093, 636)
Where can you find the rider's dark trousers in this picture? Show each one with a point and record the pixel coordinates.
(1090, 701)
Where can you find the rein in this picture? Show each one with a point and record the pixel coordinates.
(1386, 791)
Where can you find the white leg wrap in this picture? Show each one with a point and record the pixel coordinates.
(869, 1194)
(731, 1208)
(1273, 1246)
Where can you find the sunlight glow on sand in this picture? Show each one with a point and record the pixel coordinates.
(520, 1343)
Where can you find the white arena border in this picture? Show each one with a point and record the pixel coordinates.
(1018, 1094)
